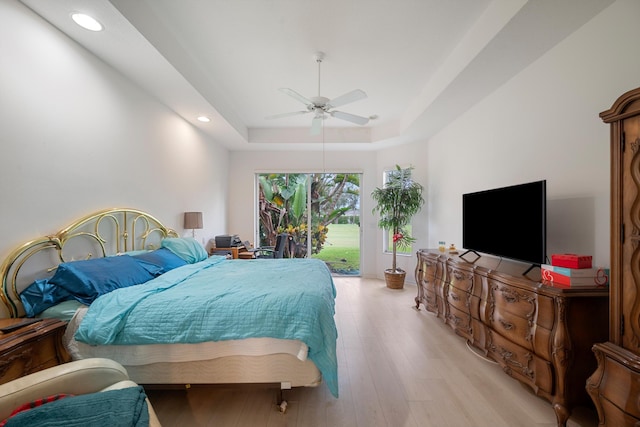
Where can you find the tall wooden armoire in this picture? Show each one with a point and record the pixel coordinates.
(615, 385)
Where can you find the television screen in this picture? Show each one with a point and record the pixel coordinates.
(509, 222)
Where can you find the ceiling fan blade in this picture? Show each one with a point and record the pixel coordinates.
(354, 95)
(359, 120)
(292, 93)
(278, 116)
(316, 125)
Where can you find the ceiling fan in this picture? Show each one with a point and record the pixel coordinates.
(323, 107)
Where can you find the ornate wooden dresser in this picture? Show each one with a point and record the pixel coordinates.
(615, 386)
(541, 335)
(30, 348)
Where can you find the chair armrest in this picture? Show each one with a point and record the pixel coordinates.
(78, 377)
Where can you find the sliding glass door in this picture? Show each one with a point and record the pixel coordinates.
(320, 210)
(283, 207)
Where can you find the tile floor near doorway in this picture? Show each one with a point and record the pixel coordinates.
(398, 367)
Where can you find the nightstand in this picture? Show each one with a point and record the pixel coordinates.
(30, 348)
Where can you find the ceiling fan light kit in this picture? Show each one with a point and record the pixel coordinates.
(323, 107)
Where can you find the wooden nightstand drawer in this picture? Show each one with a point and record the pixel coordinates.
(31, 348)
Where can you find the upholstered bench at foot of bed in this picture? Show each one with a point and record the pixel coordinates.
(75, 378)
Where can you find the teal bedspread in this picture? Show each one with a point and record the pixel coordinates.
(218, 299)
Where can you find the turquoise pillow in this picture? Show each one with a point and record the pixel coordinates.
(187, 248)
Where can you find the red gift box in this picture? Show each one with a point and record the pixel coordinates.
(571, 260)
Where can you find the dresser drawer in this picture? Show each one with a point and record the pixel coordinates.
(520, 363)
(430, 300)
(460, 321)
(619, 385)
(614, 416)
(512, 327)
(28, 358)
(459, 299)
(509, 299)
(522, 332)
(429, 269)
(31, 348)
(460, 279)
(428, 283)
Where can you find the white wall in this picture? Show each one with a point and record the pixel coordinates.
(244, 166)
(544, 124)
(76, 136)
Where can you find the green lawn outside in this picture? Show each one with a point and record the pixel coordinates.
(341, 251)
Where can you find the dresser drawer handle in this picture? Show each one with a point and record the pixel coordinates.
(509, 295)
(509, 298)
(458, 275)
(506, 325)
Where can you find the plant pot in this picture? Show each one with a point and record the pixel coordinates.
(394, 279)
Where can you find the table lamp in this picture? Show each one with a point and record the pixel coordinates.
(193, 221)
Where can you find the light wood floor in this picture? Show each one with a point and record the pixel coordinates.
(397, 367)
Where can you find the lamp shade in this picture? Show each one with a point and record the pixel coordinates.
(192, 220)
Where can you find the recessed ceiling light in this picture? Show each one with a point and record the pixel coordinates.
(204, 119)
(87, 22)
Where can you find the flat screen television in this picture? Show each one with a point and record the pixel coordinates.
(509, 222)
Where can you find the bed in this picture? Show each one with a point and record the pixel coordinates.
(197, 320)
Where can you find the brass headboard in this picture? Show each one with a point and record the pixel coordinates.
(104, 233)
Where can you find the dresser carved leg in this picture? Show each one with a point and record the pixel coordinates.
(593, 385)
(562, 356)
(562, 414)
(419, 274)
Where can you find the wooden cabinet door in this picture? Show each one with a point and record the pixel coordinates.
(629, 289)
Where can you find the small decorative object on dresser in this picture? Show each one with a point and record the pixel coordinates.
(540, 335)
(615, 385)
(30, 345)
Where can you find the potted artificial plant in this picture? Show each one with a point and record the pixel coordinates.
(397, 202)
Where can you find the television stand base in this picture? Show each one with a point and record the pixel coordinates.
(530, 268)
(472, 251)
